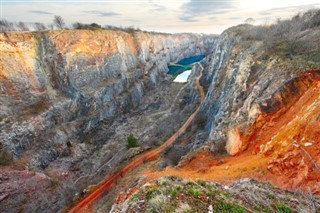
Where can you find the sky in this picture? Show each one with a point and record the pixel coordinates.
(175, 16)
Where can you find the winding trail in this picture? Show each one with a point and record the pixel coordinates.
(87, 201)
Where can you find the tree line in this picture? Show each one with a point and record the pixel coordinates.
(57, 23)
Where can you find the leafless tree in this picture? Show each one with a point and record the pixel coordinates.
(6, 26)
(22, 26)
(39, 26)
(50, 26)
(58, 22)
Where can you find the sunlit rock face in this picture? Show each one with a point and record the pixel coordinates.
(58, 85)
(266, 107)
(241, 84)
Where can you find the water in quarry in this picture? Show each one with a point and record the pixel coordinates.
(184, 64)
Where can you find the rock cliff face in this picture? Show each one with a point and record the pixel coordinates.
(257, 103)
(242, 84)
(61, 93)
(262, 111)
(65, 94)
(65, 83)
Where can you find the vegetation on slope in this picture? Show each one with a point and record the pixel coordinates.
(295, 41)
(172, 194)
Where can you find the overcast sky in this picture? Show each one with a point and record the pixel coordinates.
(198, 16)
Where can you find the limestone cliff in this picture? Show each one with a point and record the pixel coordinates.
(69, 99)
(78, 78)
(265, 101)
(261, 118)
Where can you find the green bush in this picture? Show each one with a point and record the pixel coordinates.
(152, 192)
(132, 141)
(282, 208)
(173, 193)
(223, 206)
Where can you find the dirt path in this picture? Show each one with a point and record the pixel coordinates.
(87, 201)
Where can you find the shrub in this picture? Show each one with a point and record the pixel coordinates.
(282, 208)
(135, 197)
(173, 193)
(184, 208)
(223, 206)
(158, 203)
(58, 22)
(22, 26)
(193, 189)
(6, 26)
(152, 192)
(94, 25)
(132, 141)
(79, 26)
(39, 26)
(5, 157)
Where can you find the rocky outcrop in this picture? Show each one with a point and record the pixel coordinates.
(57, 86)
(265, 106)
(242, 84)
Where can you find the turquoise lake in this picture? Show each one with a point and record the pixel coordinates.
(173, 70)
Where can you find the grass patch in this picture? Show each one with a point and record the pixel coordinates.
(313, 56)
(158, 203)
(173, 193)
(262, 208)
(225, 207)
(194, 191)
(152, 192)
(135, 197)
(282, 208)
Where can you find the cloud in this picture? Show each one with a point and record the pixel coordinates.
(294, 8)
(132, 20)
(213, 18)
(265, 13)
(201, 7)
(40, 12)
(236, 18)
(101, 13)
(158, 8)
(187, 18)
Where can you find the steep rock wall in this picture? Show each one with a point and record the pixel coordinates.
(242, 84)
(59, 85)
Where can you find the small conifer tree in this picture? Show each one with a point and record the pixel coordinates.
(132, 141)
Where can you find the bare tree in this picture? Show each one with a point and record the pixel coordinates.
(39, 26)
(50, 26)
(22, 26)
(58, 22)
(6, 26)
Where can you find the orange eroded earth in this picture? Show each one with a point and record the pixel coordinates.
(285, 150)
